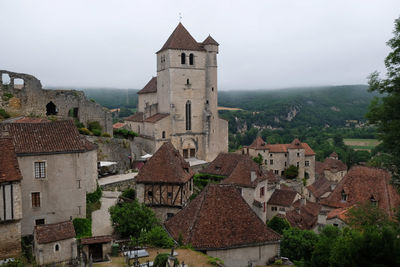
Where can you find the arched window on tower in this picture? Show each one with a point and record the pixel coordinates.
(183, 58)
(191, 59)
(188, 115)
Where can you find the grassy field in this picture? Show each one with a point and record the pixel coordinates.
(361, 144)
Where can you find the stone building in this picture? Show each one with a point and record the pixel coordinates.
(278, 157)
(332, 168)
(23, 95)
(281, 201)
(98, 248)
(58, 167)
(219, 222)
(165, 182)
(55, 243)
(10, 201)
(180, 104)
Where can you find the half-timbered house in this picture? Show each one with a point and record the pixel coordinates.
(165, 182)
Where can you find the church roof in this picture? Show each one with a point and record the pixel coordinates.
(180, 39)
(150, 87)
(165, 166)
(137, 117)
(210, 41)
(219, 218)
(156, 117)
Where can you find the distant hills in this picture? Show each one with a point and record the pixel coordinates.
(322, 106)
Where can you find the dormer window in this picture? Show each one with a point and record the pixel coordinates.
(183, 58)
(191, 59)
(344, 196)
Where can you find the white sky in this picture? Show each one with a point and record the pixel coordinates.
(263, 44)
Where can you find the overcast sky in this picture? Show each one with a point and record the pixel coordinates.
(263, 44)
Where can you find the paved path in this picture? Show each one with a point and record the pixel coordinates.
(116, 178)
(101, 223)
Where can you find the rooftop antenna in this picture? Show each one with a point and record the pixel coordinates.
(180, 17)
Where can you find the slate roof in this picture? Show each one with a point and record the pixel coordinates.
(219, 218)
(241, 174)
(180, 39)
(282, 197)
(260, 144)
(224, 164)
(150, 87)
(210, 41)
(9, 168)
(165, 166)
(360, 184)
(156, 117)
(47, 233)
(137, 117)
(56, 137)
(320, 187)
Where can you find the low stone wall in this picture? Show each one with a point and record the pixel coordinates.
(119, 186)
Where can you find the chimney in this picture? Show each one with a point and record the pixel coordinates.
(253, 176)
(303, 201)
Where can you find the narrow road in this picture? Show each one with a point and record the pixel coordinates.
(101, 223)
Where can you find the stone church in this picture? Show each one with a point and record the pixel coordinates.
(180, 104)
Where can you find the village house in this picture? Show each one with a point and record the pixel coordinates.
(281, 201)
(10, 201)
(55, 243)
(255, 187)
(304, 215)
(363, 185)
(180, 104)
(332, 168)
(96, 248)
(320, 189)
(219, 222)
(165, 182)
(278, 157)
(58, 167)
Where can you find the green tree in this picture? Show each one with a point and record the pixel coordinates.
(130, 219)
(291, 172)
(157, 237)
(258, 159)
(298, 244)
(278, 224)
(322, 251)
(384, 111)
(367, 215)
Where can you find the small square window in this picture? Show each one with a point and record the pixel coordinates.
(39, 221)
(35, 199)
(298, 164)
(307, 163)
(298, 154)
(150, 193)
(169, 194)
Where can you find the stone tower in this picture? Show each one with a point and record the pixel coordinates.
(180, 104)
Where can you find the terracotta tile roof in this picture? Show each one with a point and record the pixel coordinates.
(210, 41)
(165, 166)
(340, 213)
(282, 197)
(181, 39)
(320, 187)
(150, 87)
(258, 144)
(334, 165)
(31, 120)
(360, 184)
(241, 174)
(219, 218)
(224, 164)
(46, 138)
(156, 117)
(96, 240)
(118, 125)
(334, 155)
(9, 169)
(137, 117)
(272, 177)
(47, 233)
(304, 216)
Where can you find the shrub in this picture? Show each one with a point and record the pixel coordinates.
(96, 132)
(4, 114)
(291, 172)
(156, 237)
(7, 96)
(105, 135)
(78, 124)
(95, 196)
(83, 227)
(124, 133)
(85, 131)
(14, 263)
(278, 262)
(129, 193)
(278, 224)
(92, 125)
(215, 261)
(162, 259)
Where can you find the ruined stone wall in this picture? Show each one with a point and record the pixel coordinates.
(29, 99)
(10, 239)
